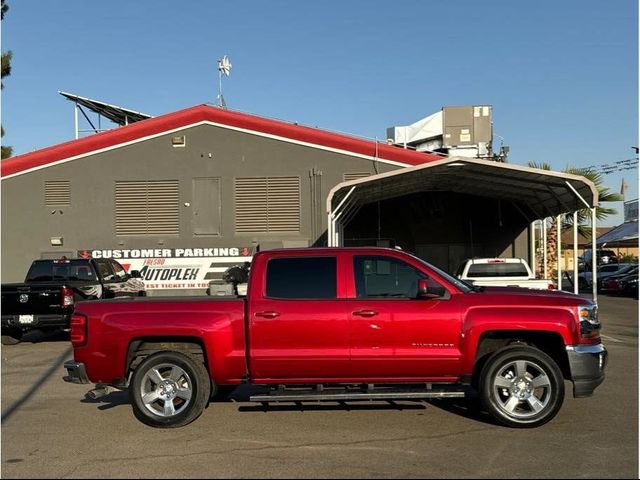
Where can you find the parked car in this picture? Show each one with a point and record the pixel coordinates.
(500, 272)
(343, 324)
(628, 285)
(611, 284)
(604, 271)
(603, 257)
(46, 299)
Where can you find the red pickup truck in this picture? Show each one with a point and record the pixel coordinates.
(334, 324)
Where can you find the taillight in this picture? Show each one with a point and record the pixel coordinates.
(551, 286)
(67, 297)
(78, 330)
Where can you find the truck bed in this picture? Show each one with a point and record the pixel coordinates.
(215, 323)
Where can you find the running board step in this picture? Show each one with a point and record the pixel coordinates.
(356, 396)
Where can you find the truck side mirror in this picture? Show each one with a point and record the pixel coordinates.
(423, 288)
(135, 274)
(427, 290)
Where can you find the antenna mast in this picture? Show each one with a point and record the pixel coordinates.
(224, 67)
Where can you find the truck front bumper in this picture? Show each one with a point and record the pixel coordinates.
(587, 363)
(77, 372)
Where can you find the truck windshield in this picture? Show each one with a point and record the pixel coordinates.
(50, 270)
(478, 270)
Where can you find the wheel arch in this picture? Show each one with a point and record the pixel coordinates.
(550, 343)
(141, 348)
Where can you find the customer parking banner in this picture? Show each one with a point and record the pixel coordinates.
(175, 268)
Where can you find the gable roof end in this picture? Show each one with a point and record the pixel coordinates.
(207, 114)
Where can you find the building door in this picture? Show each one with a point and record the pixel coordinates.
(206, 206)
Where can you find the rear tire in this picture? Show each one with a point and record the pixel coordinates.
(169, 389)
(521, 387)
(12, 337)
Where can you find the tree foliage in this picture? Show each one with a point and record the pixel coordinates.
(604, 195)
(584, 215)
(6, 71)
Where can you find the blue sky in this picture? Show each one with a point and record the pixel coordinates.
(562, 76)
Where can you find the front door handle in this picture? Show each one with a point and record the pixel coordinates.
(365, 313)
(268, 314)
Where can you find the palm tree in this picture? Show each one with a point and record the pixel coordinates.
(584, 215)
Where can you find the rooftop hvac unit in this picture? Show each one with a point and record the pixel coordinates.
(464, 131)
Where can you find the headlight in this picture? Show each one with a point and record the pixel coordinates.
(589, 313)
(589, 321)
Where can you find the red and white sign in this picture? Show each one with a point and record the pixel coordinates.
(175, 268)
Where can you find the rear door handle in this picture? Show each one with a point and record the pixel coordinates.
(365, 313)
(268, 314)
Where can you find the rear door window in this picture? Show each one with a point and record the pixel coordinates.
(105, 271)
(302, 278)
(120, 275)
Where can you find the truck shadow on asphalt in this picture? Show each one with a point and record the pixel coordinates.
(39, 336)
(467, 408)
(461, 408)
(464, 407)
(111, 400)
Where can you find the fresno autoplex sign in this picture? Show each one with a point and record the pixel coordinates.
(175, 268)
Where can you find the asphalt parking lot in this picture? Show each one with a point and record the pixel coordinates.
(49, 430)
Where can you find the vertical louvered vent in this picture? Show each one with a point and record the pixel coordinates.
(354, 176)
(147, 207)
(57, 193)
(267, 204)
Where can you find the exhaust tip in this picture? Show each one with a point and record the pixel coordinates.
(97, 393)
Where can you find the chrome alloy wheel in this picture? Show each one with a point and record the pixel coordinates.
(166, 390)
(521, 389)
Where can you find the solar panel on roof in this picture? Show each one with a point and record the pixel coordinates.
(118, 115)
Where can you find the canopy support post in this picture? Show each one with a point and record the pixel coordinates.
(559, 253)
(575, 252)
(544, 246)
(594, 269)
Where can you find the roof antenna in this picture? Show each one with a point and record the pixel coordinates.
(224, 66)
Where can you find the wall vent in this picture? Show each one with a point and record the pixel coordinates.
(347, 177)
(147, 207)
(57, 193)
(267, 204)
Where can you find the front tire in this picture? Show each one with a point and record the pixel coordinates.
(521, 387)
(169, 389)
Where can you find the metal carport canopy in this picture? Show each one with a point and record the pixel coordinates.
(536, 193)
(625, 235)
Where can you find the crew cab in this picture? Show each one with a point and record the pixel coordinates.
(337, 324)
(501, 272)
(46, 299)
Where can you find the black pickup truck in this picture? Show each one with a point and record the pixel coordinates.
(46, 299)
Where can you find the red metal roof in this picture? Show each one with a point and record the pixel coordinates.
(207, 113)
